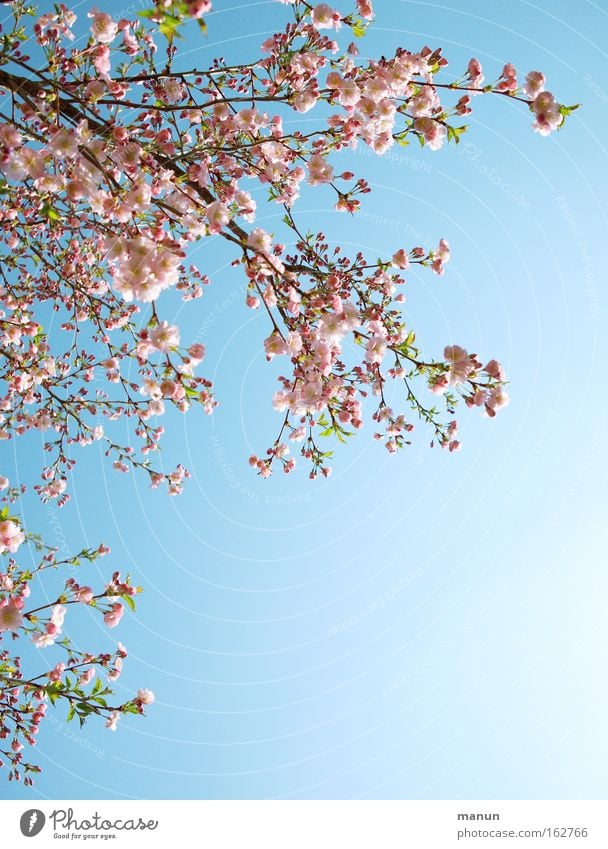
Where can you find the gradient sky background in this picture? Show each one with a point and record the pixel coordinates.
(420, 626)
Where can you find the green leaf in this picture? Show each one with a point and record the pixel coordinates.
(454, 133)
(54, 691)
(129, 601)
(568, 110)
(169, 26)
(50, 213)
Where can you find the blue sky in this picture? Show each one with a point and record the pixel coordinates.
(421, 626)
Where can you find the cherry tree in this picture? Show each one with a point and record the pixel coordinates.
(115, 159)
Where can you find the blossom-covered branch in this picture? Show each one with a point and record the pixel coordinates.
(81, 680)
(114, 161)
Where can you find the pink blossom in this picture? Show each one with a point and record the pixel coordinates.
(319, 170)
(10, 137)
(172, 91)
(87, 676)
(508, 79)
(460, 363)
(198, 8)
(432, 131)
(494, 369)
(10, 615)
(305, 100)
(146, 697)
(114, 615)
(463, 105)
(64, 144)
(101, 60)
(441, 257)
(260, 241)
(275, 345)
(348, 92)
(197, 351)
(58, 616)
(309, 397)
(218, 216)
(535, 83)
(375, 349)
(114, 674)
(85, 595)
(43, 640)
(401, 259)
(11, 536)
(169, 389)
(365, 9)
(112, 720)
(164, 336)
(56, 673)
(475, 73)
(324, 17)
(104, 28)
(496, 399)
(548, 114)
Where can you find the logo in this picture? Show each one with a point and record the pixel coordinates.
(32, 822)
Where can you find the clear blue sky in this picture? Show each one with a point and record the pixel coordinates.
(425, 626)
